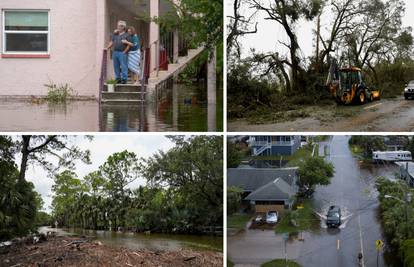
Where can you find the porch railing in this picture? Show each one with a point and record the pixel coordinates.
(166, 49)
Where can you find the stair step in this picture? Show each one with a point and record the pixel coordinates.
(125, 88)
(121, 95)
(121, 102)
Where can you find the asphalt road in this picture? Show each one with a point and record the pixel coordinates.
(387, 115)
(353, 189)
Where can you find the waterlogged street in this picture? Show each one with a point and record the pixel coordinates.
(181, 108)
(394, 115)
(353, 189)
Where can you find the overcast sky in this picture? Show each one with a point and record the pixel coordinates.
(101, 147)
(269, 32)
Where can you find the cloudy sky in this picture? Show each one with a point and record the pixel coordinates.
(101, 147)
(269, 32)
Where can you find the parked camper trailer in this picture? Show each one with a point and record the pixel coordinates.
(391, 156)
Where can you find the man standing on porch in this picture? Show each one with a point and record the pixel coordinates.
(120, 54)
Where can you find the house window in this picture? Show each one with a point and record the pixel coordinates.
(25, 32)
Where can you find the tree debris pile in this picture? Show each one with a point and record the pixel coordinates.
(73, 251)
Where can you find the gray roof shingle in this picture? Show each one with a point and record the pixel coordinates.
(275, 190)
(252, 179)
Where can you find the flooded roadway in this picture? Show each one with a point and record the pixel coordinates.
(387, 115)
(181, 108)
(353, 189)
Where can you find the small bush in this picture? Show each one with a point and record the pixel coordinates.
(58, 93)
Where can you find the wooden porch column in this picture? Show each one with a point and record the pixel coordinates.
(154, 37)
(175, 46)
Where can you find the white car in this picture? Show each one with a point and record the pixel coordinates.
(271, 217)
(409, 90)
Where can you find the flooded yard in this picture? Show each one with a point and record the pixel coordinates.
(180, 108)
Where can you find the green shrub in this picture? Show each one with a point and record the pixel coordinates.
(58, 93)
(111, 81)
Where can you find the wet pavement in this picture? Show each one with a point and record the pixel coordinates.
(353, 189)
(387, 115)
(180, 108)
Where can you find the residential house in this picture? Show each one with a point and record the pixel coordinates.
(275, 145)
(395, 143)
(265, 189)
(62, 42)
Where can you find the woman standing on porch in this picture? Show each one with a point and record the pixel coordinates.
(134, 54)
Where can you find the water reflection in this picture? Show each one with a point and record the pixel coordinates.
(179, 108)
(151, 241)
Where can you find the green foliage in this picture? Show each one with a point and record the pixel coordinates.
(111, 81)
(234, 155)
(17, 198)
(408, 252)
(184, 192)
(58, 93)
(234, 197)
(410, 146)
(194, 168)
(237, 220)
(314, 171)
(268, 86)
(43, 219)
(20, 204)
(367, 144)
(397, 217)
(201, 21)
(297, 220)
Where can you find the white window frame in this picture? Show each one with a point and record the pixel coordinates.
(4, 32)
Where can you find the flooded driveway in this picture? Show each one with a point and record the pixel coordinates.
(154, 241)
(390, 115)
(181, 108)
(353, 189)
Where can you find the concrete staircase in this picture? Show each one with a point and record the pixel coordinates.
(131, 93)
(123, 94)
(174, 69)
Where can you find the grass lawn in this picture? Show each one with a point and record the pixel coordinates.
(237, 220)
(306, 220)
(280, 263)
(300, 155)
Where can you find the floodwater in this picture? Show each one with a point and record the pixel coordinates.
(153, 241)
(180, 108)
(353, 189)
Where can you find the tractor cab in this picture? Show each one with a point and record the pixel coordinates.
(347, 86)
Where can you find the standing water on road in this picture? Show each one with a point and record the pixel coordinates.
(153, 241)
(180, 108)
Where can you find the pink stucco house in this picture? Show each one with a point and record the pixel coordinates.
(62, 41)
